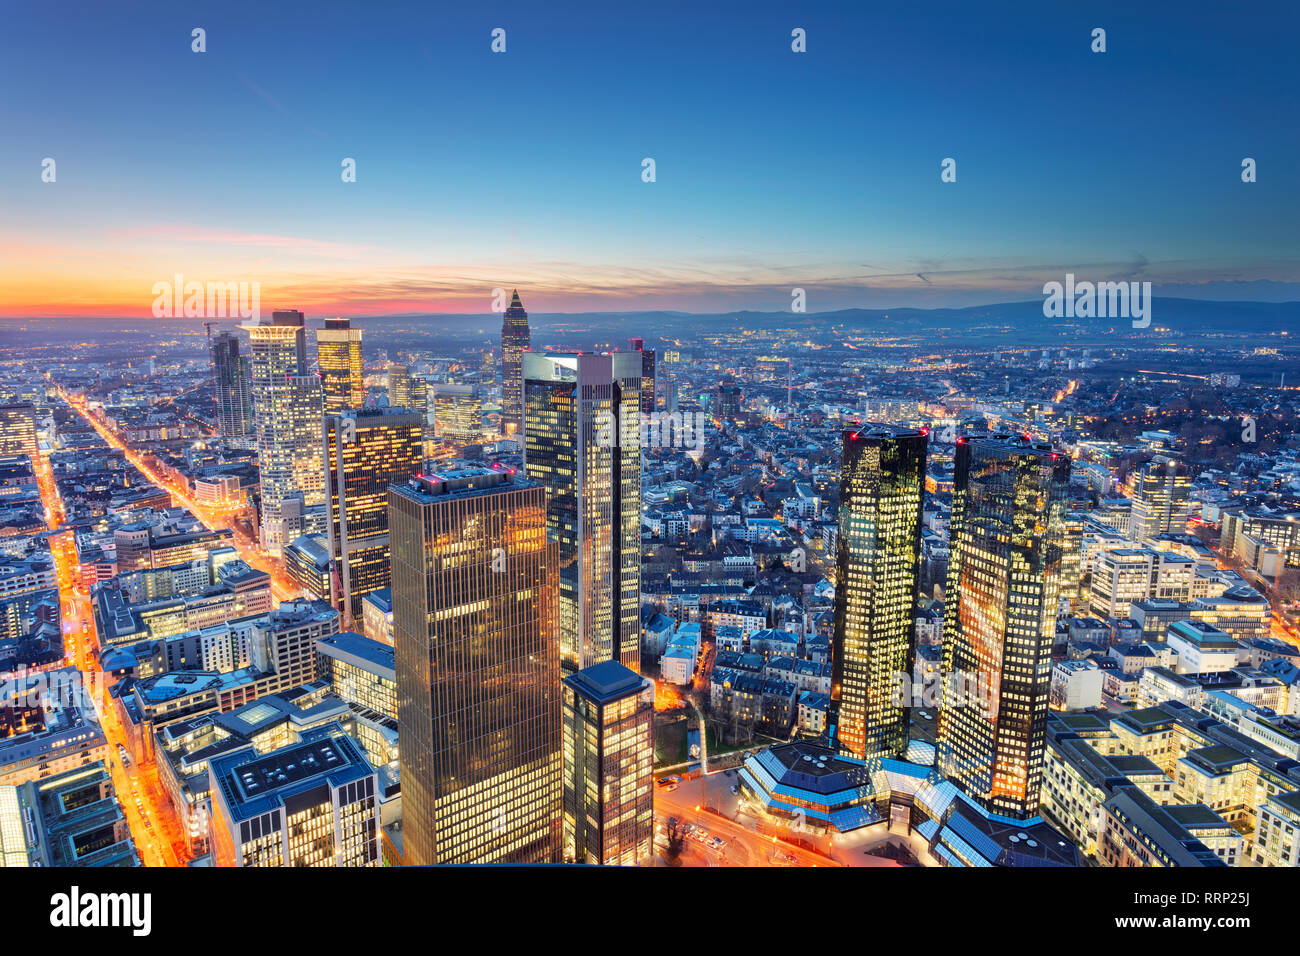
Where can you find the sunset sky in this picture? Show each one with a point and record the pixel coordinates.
(774, 169)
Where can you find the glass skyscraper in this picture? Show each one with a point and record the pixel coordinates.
(649, 398)
(230, 372)
(365, 451)
(1160, 491)
(478, 669)
(878, 565)
(338, 352)
(515, 340)
(1008, 527)
(574, 444)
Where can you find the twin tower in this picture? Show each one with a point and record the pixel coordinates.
(1006, 535)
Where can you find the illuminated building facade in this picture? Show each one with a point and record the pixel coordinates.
(516, 339)
(649, 398)
(877, 579)
(365, 451)
(457, 412)
(608, 740)
(1007, 530)
(230, 374)
(18, 430)
(592, 473)
(338, 352)
(478, 669)
(286, 414)
(1160, 490)
(408, 391)
(312, 803)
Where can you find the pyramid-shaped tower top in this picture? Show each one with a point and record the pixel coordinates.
(514, 300)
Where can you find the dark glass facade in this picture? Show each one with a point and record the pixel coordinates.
(478, 669)
(594, 507)
(878, 564)
(1007, 532)
(230, 373)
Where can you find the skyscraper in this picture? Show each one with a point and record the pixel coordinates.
(18, 430)
(338, 352)
(648, 395)
(515, 340)
(230, 374)
(878, 567)
(408, 391)
(575, 406)
(457, 412)
(286, 415)
(365, 451)
(478, 669)
(1008, 525)
(608, 766)
(1160, 491)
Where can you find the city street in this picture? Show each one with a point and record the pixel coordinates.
(155, 828)
(282, 587)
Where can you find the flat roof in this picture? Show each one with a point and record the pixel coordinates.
(606, 681)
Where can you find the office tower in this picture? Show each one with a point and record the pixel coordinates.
(1160, 490)
(286, 414)
(457, 412)
(408, 391)
(1008, 523)
(648, 395)
(310, 803)
(478, 669)
(729, 400)
(515, 340)
(307, 564)
(230, 372)
(574, 444)
(338, 352)
(18, 430)
(877, 579)
(366, 450)
(608, 737)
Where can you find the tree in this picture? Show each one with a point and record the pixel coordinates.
(676, 840)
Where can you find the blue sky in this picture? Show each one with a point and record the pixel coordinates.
(774, 169)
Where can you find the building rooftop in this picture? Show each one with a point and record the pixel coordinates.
(606, 681)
